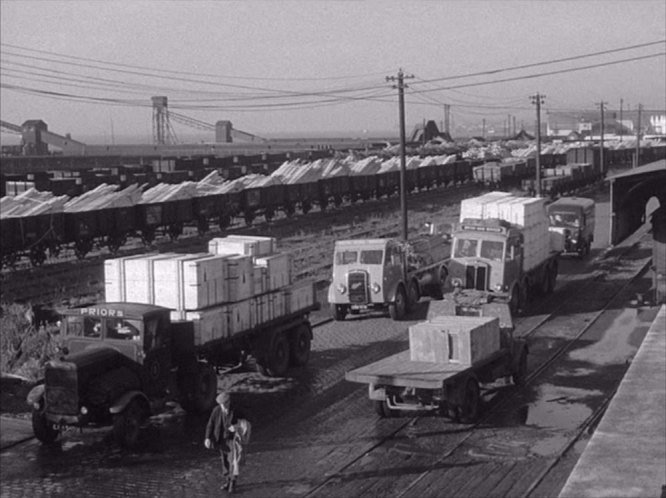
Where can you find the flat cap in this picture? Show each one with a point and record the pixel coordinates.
(223, 398)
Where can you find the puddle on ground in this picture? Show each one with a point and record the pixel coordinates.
(558, 407)
(618, 342)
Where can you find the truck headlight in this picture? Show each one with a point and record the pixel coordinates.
(341, 288)
(84, 410)
(376, 288)
(499, 287)
(456, 282)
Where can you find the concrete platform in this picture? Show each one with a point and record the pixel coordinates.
(626, 456)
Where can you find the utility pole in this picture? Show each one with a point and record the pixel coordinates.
(621, 124)
(483, 130)
(514, 126)
(601, 140)
(447, 118)
(638, 136)
(538, 99)
(403, 161)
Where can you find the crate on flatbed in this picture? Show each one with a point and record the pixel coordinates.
(454, 341)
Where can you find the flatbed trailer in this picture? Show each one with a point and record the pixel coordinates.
(397, 383)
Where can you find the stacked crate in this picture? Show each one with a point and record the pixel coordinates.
(455, 340)
(241, 283)
(528, 213)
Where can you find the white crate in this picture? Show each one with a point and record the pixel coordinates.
(260, 280)
(300, 295)
(115, 277)
(170, 287)
(263, 246)
(209, 324)
(278, 269)
(240, 244)
(476, 207)
(139, 285)
(240, 279)
(238, 317)
(454, 340)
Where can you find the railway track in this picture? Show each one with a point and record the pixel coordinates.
(555, 317)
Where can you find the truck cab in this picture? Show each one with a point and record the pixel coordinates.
(368, 274)
(571, 219)
(120, 363)
(486, 256)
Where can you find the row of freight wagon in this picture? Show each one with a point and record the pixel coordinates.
(45, 234)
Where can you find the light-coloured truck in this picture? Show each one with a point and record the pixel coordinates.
(501, 251)
(386, 273)
(572, 221)
(169, 322)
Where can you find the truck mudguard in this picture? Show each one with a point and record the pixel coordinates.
(125, 400)
(35, 395)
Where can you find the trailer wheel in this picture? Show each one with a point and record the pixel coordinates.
(300, 345)
(224, 221)
(551, 278)
(127, 424)
(469, 411)
(339, 312)
(276, 360)
(398, 308)
(520, 374)
(382, 409)
(44, 430)
(249, 217)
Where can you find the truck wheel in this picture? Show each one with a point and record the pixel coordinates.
(339, 312)
(382, 409)
(398, 308)
(469, 411)
(414, 295)
(276, 361)
(520, 374)
(198, 387)
(127, 424)
(300, 345)
(44, 430)
(551, 277)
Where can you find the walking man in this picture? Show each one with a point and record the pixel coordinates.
(220, 434)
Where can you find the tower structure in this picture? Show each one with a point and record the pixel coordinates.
(162, 130)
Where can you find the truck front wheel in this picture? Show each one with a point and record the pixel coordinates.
(398, 308)
(44, 430)
(469, 411)
(382, 409)
(339, 312)
(127, 424)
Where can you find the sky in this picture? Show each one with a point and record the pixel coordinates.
(318, 68)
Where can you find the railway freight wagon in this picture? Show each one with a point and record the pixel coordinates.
(105, 217)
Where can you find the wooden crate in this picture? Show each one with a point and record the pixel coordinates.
(456, 340)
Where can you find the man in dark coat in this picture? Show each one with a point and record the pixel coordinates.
(220, 434)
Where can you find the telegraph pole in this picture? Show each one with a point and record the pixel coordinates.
(621, 124)
(638, 136)
(601, 140)
(403, 161)
(538, 99)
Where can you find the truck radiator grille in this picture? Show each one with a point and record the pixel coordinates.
(61, 391)
(475, 277)
(358, 287)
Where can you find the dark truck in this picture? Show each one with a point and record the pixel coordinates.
(122, 362)
(572, 220)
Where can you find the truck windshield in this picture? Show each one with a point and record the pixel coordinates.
(492, 249)
(118, 328)
(465, 248)
(564, 220)
(369, 257)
